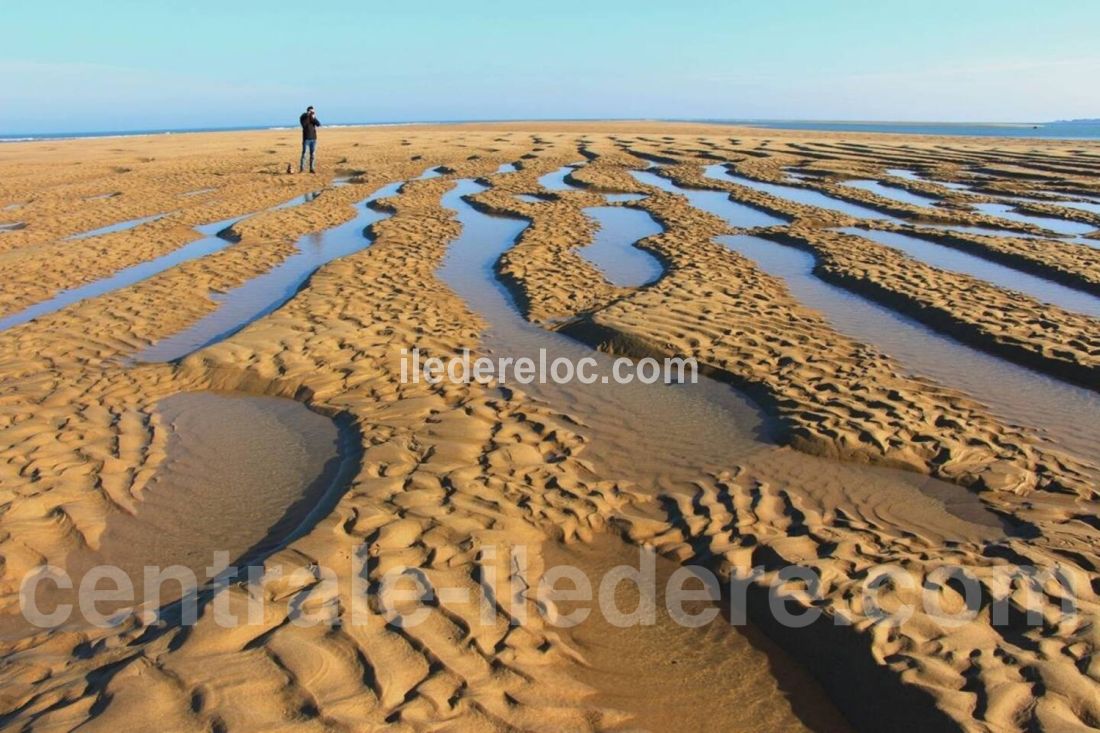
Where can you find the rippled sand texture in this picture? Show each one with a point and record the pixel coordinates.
(442, 474)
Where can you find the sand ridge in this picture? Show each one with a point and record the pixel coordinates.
(1070, 263)
(448, 471)
(1059, 342)
(744, 324)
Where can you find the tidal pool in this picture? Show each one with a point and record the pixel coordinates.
(1065, 413)
(1060, 226)
(555, 180)
(949, 258)
(265, 293)
(116, 227)
(718, 203)
(900, 195)
(612, 249)
(215, 236)
(241, 477)
(793, 193)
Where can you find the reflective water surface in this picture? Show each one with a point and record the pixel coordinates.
(265, 293)
(793, 193)
(215, 237)
(221, 488)
(718, 203)
(555, 180)
(116, 227)
(613, 251)
(949, 258)
(1066, 413)
(892, 192)
(658, 432)
(1061, 226)
(914, 176)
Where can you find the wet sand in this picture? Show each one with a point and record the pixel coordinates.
(274, 423)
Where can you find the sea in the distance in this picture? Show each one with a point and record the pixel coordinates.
(1071, 129)
(35, 137)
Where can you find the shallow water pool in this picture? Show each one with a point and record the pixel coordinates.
(900, 195)
(949, 258)
(612, 249)
(1060, 226)
(267, 292)
(718, 203)
(215, 237)
(799, 195)
(116, 227)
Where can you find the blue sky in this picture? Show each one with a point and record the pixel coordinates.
(77, 65)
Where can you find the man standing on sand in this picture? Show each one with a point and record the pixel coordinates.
(309, 138)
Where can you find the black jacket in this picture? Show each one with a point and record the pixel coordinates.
(309, 126)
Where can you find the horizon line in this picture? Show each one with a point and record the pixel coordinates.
(33, 136)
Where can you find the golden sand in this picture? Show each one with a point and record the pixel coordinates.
(446, 471)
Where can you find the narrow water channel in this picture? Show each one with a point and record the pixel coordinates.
(914, 176)
(718, 203)
(1060, 226)
(267, 292)
(1090, 206)
(900, 195)
(805, 196)
(305, 198)
(666, 436)
(980, 230)
(659, 432)
(949, 258)
(613, 251)
(215, 237)
(116, 227)
(1067, 414)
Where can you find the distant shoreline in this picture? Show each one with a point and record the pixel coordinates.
(38, 137)
(1056, 130)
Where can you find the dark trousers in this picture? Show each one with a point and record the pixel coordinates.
(311, 147)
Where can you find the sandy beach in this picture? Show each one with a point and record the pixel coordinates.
(201, 353)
